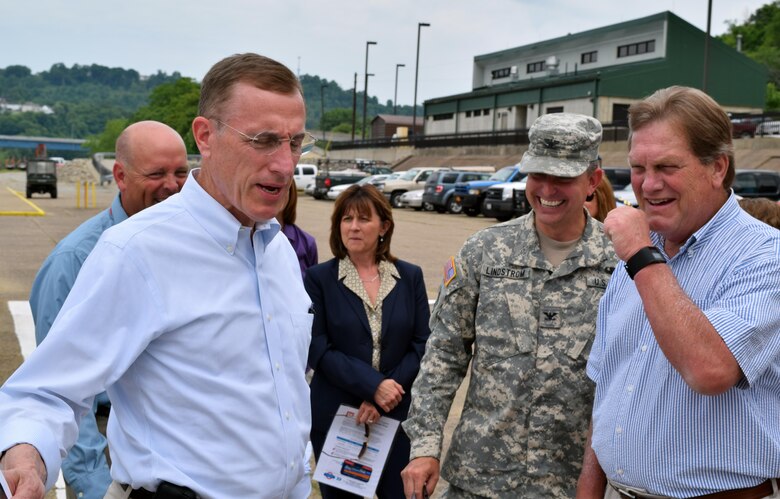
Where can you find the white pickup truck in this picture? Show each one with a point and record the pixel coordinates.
(304, 175)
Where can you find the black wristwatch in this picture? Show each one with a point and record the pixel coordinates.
(643, 258)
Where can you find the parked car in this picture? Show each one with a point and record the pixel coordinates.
(745, 127)
(304, 176)
(409, 180)
(334, 191)
(768, 128)
(618, 177)
(59, 161)
(500, 201)
(440, 187)
(757, 184)
(414, 199)
(327, 179)
(471, 195)
(626, 196)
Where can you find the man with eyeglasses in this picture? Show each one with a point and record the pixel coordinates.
(204, 360)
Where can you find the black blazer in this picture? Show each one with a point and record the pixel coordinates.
(341, 344)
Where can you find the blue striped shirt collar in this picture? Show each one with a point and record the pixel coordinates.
(729, 210)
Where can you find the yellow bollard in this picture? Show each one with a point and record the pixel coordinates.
(78, 194)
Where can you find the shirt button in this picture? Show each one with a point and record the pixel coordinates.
(618, 430)
(630, 388)
(644, 348)
(287, 415)
(620, 471)
(229, 247)
(268, 317)
(292, 465)
(277, 366)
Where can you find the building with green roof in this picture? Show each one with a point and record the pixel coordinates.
(600, 73)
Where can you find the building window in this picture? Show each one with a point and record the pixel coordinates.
(557, 109)
(636, 48)
(468, 114)
(589, 57)
(620, 114)
(443, 116)
(500, 73)
(486, 112)
(535, 67)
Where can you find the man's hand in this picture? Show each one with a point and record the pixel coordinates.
(420, 472)
(24, 471)
(388, 394)
(628, 230)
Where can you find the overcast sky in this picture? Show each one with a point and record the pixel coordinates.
(325, 38)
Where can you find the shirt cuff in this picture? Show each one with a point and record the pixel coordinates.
(28, 432)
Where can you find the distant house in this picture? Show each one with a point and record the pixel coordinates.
(599, 72)
(27, 107)
(389, 125)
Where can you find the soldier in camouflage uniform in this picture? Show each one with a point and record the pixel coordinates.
(519, 301)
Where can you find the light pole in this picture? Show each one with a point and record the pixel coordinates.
(395, 96)
(354, 106)
(365, 91)
(322, 108)
(416, 70)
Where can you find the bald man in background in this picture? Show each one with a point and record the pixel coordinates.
(150, 166)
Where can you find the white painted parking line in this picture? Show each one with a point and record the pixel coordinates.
(24, 326)
(25, 333)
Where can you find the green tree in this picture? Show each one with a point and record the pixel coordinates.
(105, 141)
(760, 38)
(175, 104)
(336, 117)
(772, 97)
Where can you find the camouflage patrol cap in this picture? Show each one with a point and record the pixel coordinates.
(562, 145)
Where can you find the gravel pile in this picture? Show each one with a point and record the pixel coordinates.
(78, 170)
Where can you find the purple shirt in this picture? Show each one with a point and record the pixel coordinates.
(304, 245)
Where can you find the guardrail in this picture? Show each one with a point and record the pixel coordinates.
(612, 132)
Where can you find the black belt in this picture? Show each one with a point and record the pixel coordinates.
(166, 490)
(761, 490)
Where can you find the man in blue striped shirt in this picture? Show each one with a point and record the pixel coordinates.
(687, 354)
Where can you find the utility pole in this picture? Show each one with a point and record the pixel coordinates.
(365, 91)
(395, 96)
(322, 108)
(354, 106)
(416, 70)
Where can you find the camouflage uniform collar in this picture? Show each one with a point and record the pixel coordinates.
(590, 251)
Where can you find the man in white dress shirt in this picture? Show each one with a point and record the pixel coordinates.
(203, 349)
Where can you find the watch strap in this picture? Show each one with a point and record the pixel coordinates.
(642, 258)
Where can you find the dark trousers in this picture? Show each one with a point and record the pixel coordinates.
(390, 485)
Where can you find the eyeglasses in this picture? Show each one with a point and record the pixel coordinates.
(268, 142)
